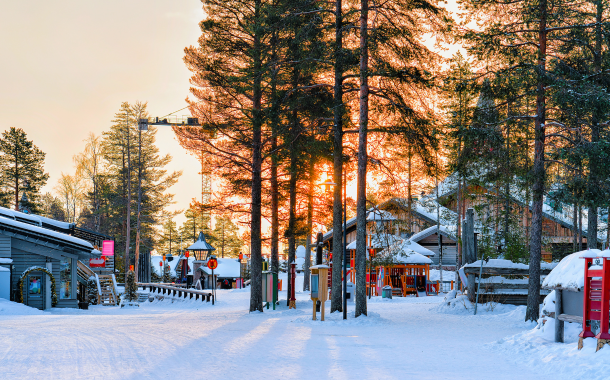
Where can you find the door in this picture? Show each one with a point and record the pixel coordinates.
(35, 291)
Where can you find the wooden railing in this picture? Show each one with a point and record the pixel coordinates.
(172, 290)
(83, 271)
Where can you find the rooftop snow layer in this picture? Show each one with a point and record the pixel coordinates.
(5, 260)
(46, 232)
(378, 241)
(401, 253)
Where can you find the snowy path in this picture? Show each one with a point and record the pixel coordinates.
(402, 338)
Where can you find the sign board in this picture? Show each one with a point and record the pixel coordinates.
(108, 248)
(212, 263)
(97, 263)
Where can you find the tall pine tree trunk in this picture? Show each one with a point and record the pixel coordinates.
(336, 294)
(533, 295)
(275, 125)
(138, 224)
(361, 307)
(309, 226)
(256, 287)
(128, 212)
(292, 194)
(595, 132)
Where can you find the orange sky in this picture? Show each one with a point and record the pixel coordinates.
(67, 65)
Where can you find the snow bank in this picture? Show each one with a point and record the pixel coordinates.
(569, 273)
(13, 308)
(536, 348)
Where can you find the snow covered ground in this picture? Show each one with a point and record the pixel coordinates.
(420, 338)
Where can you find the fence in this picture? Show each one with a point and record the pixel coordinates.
(172, 291)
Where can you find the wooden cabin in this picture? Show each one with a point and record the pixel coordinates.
(41, 260)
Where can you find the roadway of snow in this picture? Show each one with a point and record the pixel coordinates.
(421, 338)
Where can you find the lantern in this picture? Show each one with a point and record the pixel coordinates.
(201, 248)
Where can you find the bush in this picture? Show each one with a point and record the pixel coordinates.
(91, 291)
(131, 289)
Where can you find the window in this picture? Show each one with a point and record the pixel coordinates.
(65, 278)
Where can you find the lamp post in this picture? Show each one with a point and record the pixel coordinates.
(328, 183)
(201, 249)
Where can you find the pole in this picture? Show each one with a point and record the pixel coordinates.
(344, 248)
(480, 274)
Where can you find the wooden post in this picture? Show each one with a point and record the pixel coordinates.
(558, 311)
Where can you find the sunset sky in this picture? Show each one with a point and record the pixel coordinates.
(66, 66)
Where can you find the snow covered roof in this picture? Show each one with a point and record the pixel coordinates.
(53, 235)
(378, 241)
(400, 252)
(413, 258)
(228, 268)
(3, 269)
(379, 215)
(201, 244)
(5, 260)
(570, 272)
(445, 231)
(413, 246)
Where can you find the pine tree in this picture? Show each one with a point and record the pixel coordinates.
(231, 102)
(225, 238)
(117, 197)
(131, 289)
(21, 170)
(92, 291)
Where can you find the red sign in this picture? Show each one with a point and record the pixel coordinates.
(186, 254)
(160, 264)
(97, 263)
(108, 248)
(212, 263)
(241, 257)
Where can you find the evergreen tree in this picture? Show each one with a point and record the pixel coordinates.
(169, 240)
(131, 289)
(21, 171)
(114, 190)
(51, 207)
(225, 238)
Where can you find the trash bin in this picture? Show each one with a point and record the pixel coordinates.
(386, 292)
(350, 291)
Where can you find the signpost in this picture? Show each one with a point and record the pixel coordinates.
(213, 264)
(97, 263)
(319, 287)
(108, 248)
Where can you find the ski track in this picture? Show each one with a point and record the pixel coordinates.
(401, 338)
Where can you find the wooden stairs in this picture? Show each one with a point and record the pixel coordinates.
(106, 285)
(107, 295)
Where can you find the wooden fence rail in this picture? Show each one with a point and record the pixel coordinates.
(181, 292)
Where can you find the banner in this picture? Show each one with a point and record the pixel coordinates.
(97, 263)
(108, 248)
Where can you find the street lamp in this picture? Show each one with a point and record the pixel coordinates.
(327, 184)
